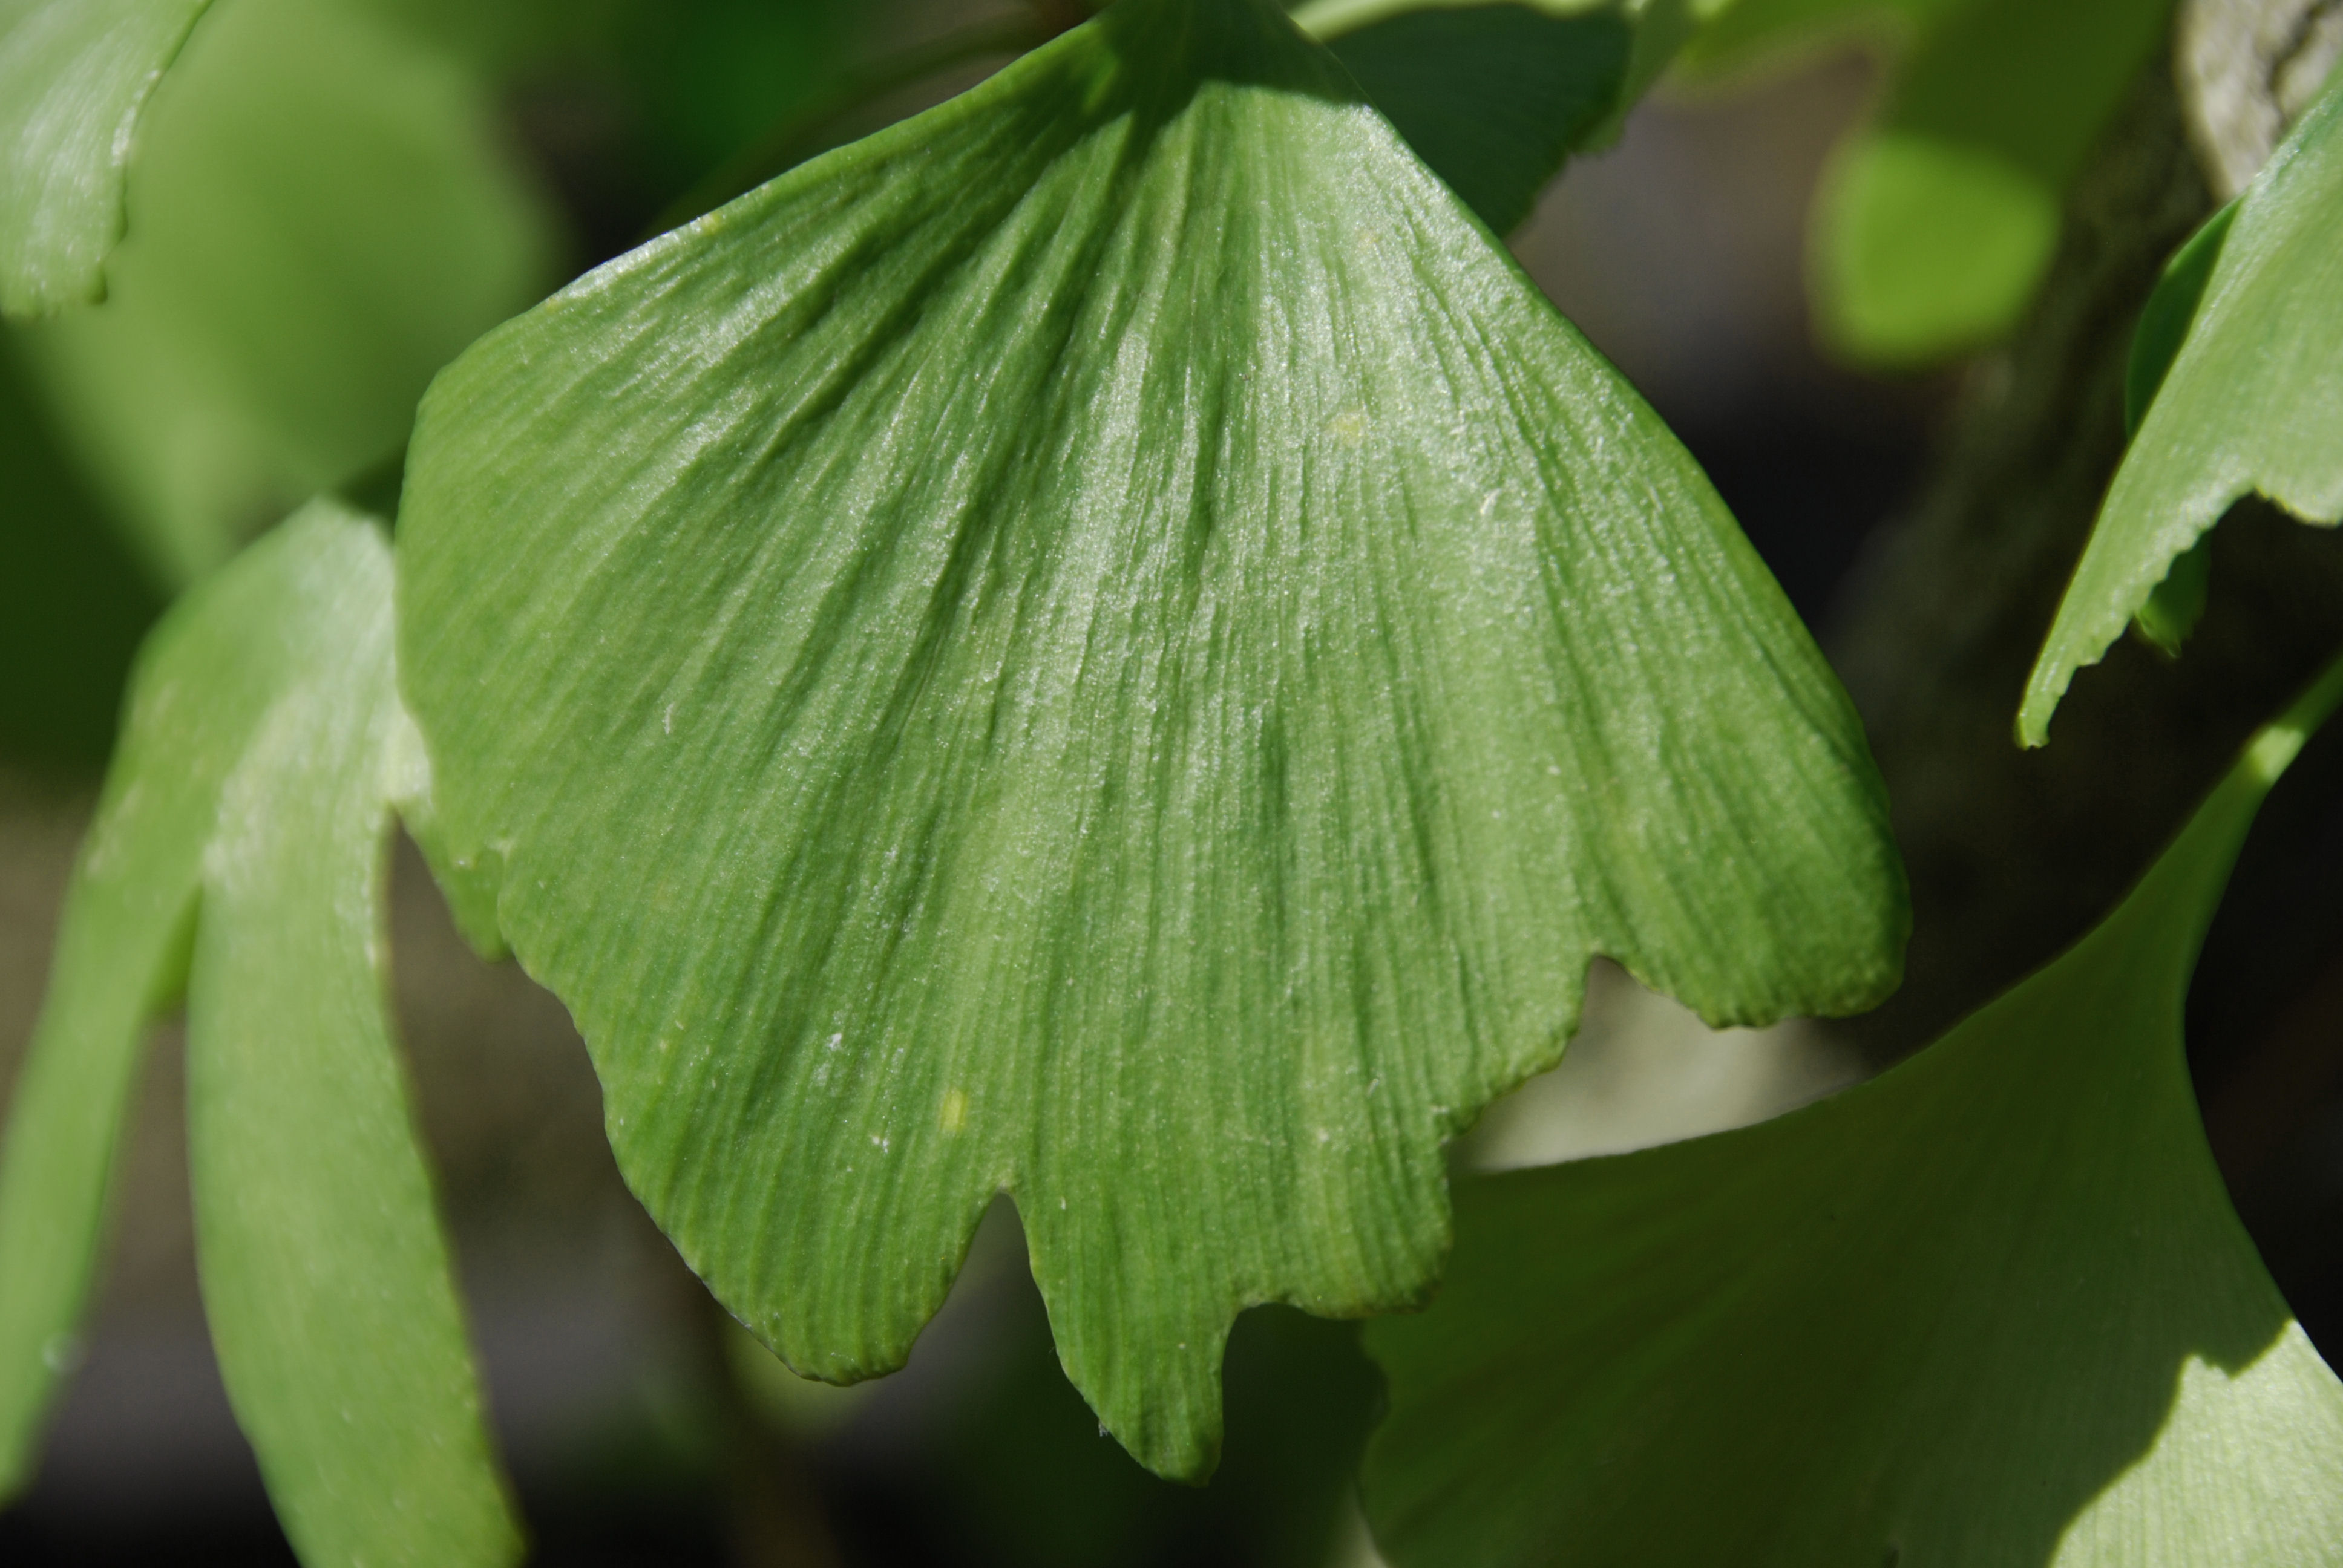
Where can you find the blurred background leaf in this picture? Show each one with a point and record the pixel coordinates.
(73, 76)
(1939, 218)
(1939, 223)
(322, 213)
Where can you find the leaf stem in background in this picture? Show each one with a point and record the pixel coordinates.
(797, 135)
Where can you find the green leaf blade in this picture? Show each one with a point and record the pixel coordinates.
(253, 785)
(74, 76)
(2252, 403)
(1991, 1307)
(121, 957)
(1052, 651)
(324, 1277)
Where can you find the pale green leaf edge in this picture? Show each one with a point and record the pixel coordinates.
(1448, 1478)
(73, 76)
(250, 805)
(2252, 404)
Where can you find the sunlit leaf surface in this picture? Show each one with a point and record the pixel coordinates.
(1104, 644)
(74, 75)
(322, 215)
(1992, 1307)
(254, 783)
(2253, 402)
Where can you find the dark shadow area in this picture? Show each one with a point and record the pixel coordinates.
(73, 603)
(1494, 96)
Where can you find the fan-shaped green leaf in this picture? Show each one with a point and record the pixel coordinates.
(2253, 401)
(255, 778)
(322, 215)
(1992, 1307)
(1103, 643)
(74, 75)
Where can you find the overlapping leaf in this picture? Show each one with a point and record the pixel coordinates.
(74, 76)
(1492, 97)
(322, 215)
(1990, 1307)
(2174, 606)
(1495, 97)
(2253, 401)
(1103, 643)
(254, 779)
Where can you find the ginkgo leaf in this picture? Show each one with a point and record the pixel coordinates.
(2253, 403)
(1492, 97)
(74, 76)
(2174, 605)
(1938, 221)
(322, 215)
(1104, 644)
(248, 810)
(1992, 1307)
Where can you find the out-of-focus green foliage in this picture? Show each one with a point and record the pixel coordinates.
(322, 213)
(74, 76)
(1990, 1307)
(240, 847)
(1753, 34)
(1045, 652)
(696, 79)
(2252, 401)
(1938, 220)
